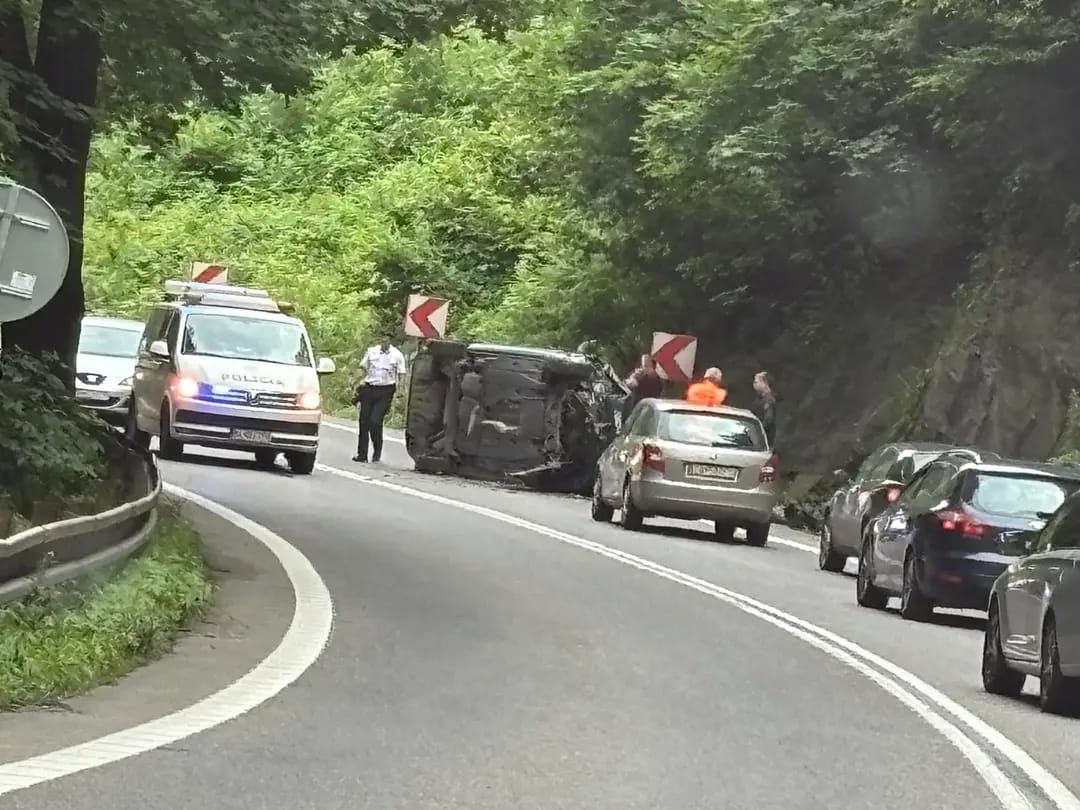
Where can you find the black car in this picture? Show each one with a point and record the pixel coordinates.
(955, 528)
(878, 482)
(539, 417)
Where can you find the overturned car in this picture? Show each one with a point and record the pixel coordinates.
(540, 417)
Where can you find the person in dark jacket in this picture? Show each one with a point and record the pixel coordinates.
(764, 406)
(644, 383)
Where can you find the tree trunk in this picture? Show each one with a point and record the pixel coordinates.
(55, 139)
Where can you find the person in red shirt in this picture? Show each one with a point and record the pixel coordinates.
(708, 390)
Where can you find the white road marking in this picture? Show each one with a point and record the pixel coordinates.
(300, 647)
(899, 682)
(780, 541)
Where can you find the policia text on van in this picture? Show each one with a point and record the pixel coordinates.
(227, 367)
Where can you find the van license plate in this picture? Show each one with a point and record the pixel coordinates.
(257, 436)
(713, 471)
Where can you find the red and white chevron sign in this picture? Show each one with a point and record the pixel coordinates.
(425, 317)
(674, 356)
(206, 273)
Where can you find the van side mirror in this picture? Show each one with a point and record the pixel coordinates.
(325, 366)
(160, 349)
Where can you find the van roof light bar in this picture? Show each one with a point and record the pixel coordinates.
(178, 289)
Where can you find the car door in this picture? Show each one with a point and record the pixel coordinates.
(1046, 578)
(147, 386)
(613, 461)
(898, 523)
(843, 515)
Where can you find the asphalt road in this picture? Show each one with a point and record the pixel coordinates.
(524, 660)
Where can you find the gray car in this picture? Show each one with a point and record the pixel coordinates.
(674, 459)
(105, 364)
(1033, 625)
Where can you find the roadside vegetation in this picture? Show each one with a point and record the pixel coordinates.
(65, 640)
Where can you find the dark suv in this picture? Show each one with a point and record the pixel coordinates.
(955, 528)
(540, 417)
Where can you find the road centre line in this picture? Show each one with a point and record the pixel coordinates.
(897, 681)
(780, 541)
(299, 648)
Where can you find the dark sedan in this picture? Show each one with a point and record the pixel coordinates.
(954, 529)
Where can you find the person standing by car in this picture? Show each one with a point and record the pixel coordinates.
(382, 366)
(644, 383)
(764, 406)
(708, 390)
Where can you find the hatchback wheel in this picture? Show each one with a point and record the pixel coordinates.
(997, 678)
(914, 604)
(866, 592)
(827, 559)
(601, 512)
(1057, 693)
(632, 519)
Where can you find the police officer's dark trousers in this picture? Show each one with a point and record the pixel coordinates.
(374, 403)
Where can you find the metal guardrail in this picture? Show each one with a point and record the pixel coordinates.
(69, 549)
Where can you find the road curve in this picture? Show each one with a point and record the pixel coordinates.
(479, 663)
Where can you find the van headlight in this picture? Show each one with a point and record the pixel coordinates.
(309, 401)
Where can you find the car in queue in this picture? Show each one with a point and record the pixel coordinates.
(876, 484)
(674, 459)
(955, 528)
(1033, 624)
(105, 364)
(227, 367)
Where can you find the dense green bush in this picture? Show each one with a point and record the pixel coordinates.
(51, 451)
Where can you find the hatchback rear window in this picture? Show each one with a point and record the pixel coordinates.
(710, 430)
(1020, 495)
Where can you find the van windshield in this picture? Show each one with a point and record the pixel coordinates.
(240, 338)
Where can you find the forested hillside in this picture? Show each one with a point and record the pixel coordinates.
(875, 199)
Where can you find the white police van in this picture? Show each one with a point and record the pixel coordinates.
(228, 367)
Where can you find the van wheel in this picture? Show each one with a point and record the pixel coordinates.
(169, 448)
(265, 458)
(301, 463)
(140, 438)
(757, 534)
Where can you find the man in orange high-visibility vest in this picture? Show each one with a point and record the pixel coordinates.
(708, 390)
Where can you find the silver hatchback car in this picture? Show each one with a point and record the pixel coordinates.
(674, 459)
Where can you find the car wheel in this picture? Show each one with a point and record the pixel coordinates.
(725, 532)
(169, 448)
(140, 438)
(601, 512)
(631, 518)
(866, 592)
(301, 463)
(757, 534)
(265, 458)
(827, 559)
(914, 604)
(997, 678)
(1058, 694)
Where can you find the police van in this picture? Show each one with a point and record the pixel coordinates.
(227, 367)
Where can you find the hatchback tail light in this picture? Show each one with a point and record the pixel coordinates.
(652, 457)
(960, 521)
(769, 470)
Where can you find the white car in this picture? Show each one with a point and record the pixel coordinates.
(108, 349)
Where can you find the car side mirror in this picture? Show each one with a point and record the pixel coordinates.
(889, 490)
(160, 349)
(325, 366)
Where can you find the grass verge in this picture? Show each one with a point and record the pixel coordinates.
(65, 640)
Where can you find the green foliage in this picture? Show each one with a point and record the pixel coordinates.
(49, 447)
(66, 640)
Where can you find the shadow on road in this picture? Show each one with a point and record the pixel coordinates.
(231, 462)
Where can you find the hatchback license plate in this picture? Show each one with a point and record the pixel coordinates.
(260, 436)
(713, 471)
(91, 396)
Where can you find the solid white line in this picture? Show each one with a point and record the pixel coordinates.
(780, 541)
(300, 647)
(840, 648)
